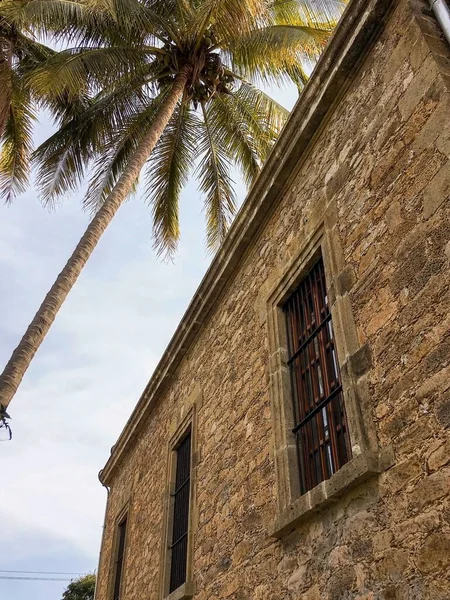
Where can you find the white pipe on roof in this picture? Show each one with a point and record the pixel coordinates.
(442, 12)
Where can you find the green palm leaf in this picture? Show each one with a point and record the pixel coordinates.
(110, 165)
(271, 55)
(264, 116)
(16, 142)
(237, 135)
(70, 19)
(215, 182)
(168, 171)
(226, 17)
(63, 160)
(323, 14)
(89, 69)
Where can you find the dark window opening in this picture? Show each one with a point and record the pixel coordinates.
(179, 545)
(320, 422)
(118, 571)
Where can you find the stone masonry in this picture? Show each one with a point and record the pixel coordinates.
(376, 173)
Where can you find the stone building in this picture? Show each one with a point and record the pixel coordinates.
(293, 442)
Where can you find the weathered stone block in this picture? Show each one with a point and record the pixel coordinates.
(312, 594)
(401, 475)
(361, 361)
(437, 191)
(296, 581)
(342, 583)
(434, 554)
(429, 490)
(416, 89)
(392, 566)
(436, 126)
(439, 382)
(439, 457)
(443, 412)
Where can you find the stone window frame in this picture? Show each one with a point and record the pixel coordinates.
(121, 515)
(355, 361)
(183, 422)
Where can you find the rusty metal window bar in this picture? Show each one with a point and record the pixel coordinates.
(320, 422)
(118, 570)
(181, 497)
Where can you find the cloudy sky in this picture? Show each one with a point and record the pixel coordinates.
(87, 375)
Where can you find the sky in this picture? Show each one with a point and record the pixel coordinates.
(88, 374)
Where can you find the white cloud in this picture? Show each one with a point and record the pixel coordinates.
(93, 366)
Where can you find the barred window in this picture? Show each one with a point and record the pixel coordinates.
(320, 422)
(118, 567)
(181, 498)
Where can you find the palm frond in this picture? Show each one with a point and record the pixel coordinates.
(77, 69)
(6, 83)
(237, 135)
(226, 16)
(123, 141)
(107, 127)
(80, 22)
(61, 18)
(62, 161)
(139, 21)
(117, 104)
(183, 10)
(32, 52)
(268, 55)
(318, 13)
(16, 142)
(167, 173)
(216, 183)
(264, 116)
(298, 75)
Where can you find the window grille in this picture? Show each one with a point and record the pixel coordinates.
(179, 545)
(121, 535)
(320, 422)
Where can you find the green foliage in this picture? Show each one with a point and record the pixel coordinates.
(20, 55)
(17, 141)
(81, 589)
(107, 88)
(168, 170)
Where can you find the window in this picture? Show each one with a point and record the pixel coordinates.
(321, 448)
(320, 429)
(118, 567)
(176, 581)
(180, 525)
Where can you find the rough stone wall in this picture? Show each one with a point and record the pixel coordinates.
(383, 160)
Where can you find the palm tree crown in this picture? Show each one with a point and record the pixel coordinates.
(119, 79)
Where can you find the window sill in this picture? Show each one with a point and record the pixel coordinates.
(184, 592)
(359, 469)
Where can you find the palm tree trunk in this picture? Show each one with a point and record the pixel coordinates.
(22, 356)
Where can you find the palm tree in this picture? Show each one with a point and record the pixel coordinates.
(170, 85)
(20, 52)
